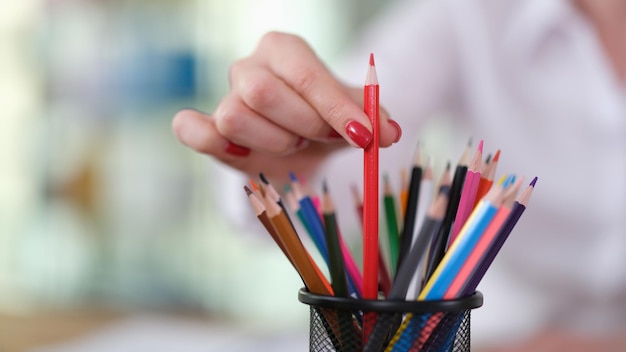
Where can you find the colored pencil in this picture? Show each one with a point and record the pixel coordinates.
(298, 254)
(312, 216)
(468, 194)
(370, 184)
(259, 210)
(391, 217)
(408, 228)
(425, 199)
(458, 252)
(370, 196)
(487, 176)
(355, 280)
(404, 192)
(440, 241)
(388, 321)
(517, 209)
(383, 273)
(336, 260)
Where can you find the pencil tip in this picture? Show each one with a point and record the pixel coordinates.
(292, 176)
(372, 59)
(509, 181)
(248, 191)
(448, 165)
(497, 156)
(533, 182)
(324, 186)
(262, 176)
(480, 146)
(253, 185)
(469, 142)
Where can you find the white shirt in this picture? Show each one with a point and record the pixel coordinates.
(529, 78)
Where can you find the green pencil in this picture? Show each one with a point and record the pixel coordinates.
(392, 224)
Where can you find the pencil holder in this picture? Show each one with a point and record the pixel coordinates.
(354, 325)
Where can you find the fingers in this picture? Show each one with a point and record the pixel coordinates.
(291, 60)
(197, 131)
(237, 123)
(233, 138)
(390, 130)
(266, 95)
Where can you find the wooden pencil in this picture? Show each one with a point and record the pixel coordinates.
(370, 184)
(468, 194)
(384, 275)
(335, 255)
(386, 322)
(298, 254)
(517, 209)
(408, 228)
(391, 218)
(404, 192)
(440, 241)
(487, 176)
(259, 209)
(427, 194)
(312, 216)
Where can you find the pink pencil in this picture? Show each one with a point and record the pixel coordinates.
(468, 194)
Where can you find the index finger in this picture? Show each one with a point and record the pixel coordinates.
(293, 61)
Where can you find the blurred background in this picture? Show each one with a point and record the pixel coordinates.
(108, 235)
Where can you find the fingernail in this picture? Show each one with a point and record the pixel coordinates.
(398, 130)
(359, 134)
(237, 150)
(334, 134)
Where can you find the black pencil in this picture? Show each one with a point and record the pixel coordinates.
(438, 247)
(406, 236)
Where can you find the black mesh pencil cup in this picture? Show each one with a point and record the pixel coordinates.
(355, 325)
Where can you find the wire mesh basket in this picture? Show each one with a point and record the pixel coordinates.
(354, 325)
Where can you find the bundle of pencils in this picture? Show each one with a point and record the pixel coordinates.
(442, 238)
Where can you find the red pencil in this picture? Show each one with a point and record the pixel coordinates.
(370, 197)
(370, 191)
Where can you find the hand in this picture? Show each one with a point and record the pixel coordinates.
(285, 112)
(557, 341)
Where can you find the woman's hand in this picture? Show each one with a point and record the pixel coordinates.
(285, 112)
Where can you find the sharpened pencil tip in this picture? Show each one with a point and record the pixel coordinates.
(480, 146)
(324, 186)
(448, 165)
(372, 59)
(248, 191)
(253, 185)
(262, 176)
(534, 181)
(496, 157)
(292, 176)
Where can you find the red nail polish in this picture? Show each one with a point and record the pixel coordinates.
(398, 130)
(359, 134)
(237, 150)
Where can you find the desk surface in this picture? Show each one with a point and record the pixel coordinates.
(96, 331)
(28, 331)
